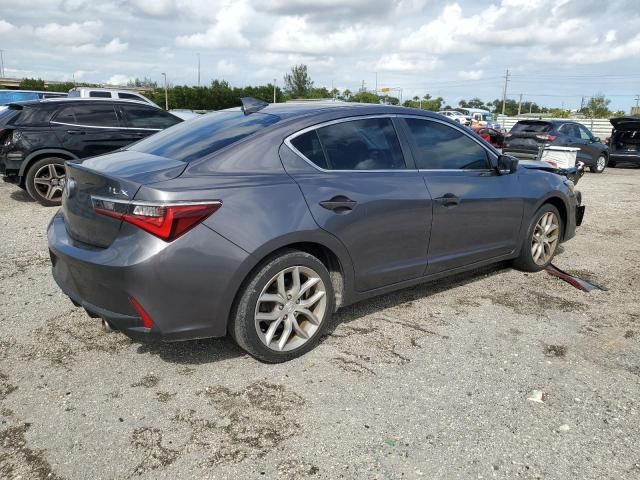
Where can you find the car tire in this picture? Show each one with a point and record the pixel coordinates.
(270, 319)
(537, 233)
(601, 164)
(45, 181)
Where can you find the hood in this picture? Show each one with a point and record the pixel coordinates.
(573, 173)
(626, 123)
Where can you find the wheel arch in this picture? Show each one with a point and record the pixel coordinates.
(562, 207)
(40, 154)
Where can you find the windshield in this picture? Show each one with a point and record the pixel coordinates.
(199, 137)
(7, 96)
(487, 117)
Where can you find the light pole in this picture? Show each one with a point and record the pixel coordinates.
(274, 90)
(198, 69)
(166, 96)
(2, 64)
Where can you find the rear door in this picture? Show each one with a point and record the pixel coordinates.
(476, 211)
(358, 186)
(87, 129)
(143, 120)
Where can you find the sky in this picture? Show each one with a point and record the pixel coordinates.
(557, 51)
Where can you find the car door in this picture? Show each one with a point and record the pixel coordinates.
(588, 145)
(358, 186)
(142, 120)
(476, 211)
(87, 129)
(574, 139)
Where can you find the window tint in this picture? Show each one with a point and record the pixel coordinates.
(309, 145)
(202, 136)
(130, 96)
(369, 144)
(440, 146)
(7, 96)
(533, 127)
(140, 116)
(584, 133)
(92, 115)
(100, 94)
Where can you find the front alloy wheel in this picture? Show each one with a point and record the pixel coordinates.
(600, 165)
(545, 238)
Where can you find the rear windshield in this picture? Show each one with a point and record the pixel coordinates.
(534, 127)
(202, 136)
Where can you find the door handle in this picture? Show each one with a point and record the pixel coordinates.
(448, 200)
(76, 132)
(339, 204)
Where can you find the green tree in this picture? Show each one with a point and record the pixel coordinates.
(473, 103)
(559, 113)
(346, 95)
(425, 103)
(60, 87)
(597, 107)
(142, 83)
(31, 84)
(365, 97)
(297, 83)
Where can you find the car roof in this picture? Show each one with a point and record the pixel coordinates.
(72, 100)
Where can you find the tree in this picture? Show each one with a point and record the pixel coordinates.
(597, 107)
(31, 84)
(145, 82)
(365, 97)
(473, 103)
(298, 83)
(346, 95)
(425, 103)
(60, 87)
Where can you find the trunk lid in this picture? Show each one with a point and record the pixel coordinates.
(116, 176)
(626, 123)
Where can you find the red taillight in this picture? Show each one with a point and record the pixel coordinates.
(166, 221)
(546, 137)
(146, 319)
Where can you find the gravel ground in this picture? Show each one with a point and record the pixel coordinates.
(429, 382)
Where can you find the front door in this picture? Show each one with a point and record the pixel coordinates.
(476, 211)
(358, 187)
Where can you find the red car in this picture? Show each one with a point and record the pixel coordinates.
(491, 135)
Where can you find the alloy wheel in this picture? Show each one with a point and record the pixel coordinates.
(601, 163)
(545, 238)
(49, 181)
(290, 308)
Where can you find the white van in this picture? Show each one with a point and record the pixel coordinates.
(91, 92)
(480, 117)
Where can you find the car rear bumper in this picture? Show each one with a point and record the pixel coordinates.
(187, 286)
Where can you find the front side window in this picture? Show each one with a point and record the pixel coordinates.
(89, 115)
(367, 144)
(139, 116)
(584, 133)
(441, 147)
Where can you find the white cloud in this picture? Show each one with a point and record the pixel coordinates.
(5, 26)
(119, 79)
(225, 67)
(471, 74)
(396, 62)
(225, 33)
(71, 34)
(154, 8)
(114, 46)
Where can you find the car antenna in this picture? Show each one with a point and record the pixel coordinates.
(252, 105)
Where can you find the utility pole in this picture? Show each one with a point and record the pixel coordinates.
(166, 95)
(519, 104)
(581, 102)
(198, 69)
(376, 83)
(274, 90)
(362, 88)
(637, 96)
(2, 64)
(504, 94)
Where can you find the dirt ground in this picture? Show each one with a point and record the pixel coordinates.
(430, 382)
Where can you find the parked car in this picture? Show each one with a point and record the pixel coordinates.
(624, 143)
(491, 135)
(480, 118)
(93, 92)
(527, 137)
(36, 138)
(11, 96)
(263, 222)
(456, 116)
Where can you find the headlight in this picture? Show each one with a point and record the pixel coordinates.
(570, 185)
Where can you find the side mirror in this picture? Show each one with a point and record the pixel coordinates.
(596, 139)
(507, 164)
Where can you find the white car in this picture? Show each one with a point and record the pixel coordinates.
(91, 92)
(456, 116)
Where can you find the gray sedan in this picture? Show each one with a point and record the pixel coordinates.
(262, 221)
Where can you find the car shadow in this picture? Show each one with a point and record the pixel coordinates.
(21, 196)
(194, 352)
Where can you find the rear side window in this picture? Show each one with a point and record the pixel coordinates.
(97, 94)
(439, 146)
(532, 127)
(308, 144)
(368, 144)
(7, 96)
(139, 116)
(203, 136)
(88, 115)
(130, 96)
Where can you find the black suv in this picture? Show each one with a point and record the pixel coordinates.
(36, 138)
(527, 137)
